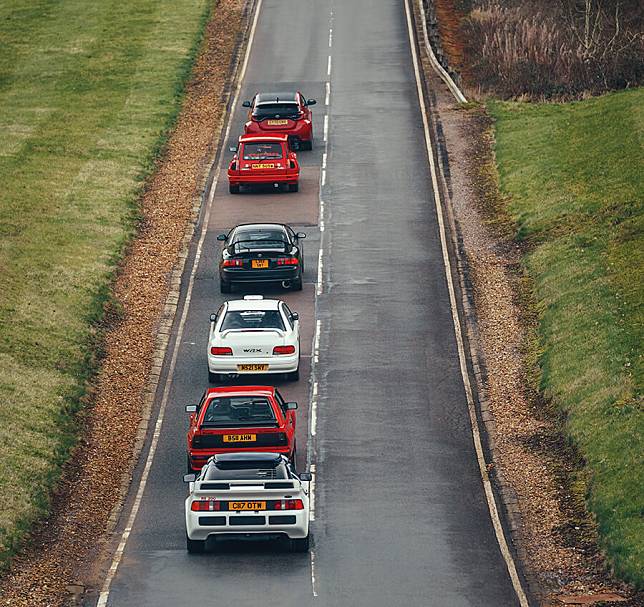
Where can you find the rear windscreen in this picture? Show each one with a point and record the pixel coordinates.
(253, 319)
(228, 410)
(262, 151)
(276, 110)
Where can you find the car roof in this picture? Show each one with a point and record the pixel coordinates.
(247, 460)
(288, 96)
(245, 390)
(252, 304)
(260, 138)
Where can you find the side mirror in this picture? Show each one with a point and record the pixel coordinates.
(191, 478)
(304, 476)
(221, 237)
(295, 316)
(233, 148)
(301, 235)
(246, 104)
(291, 406)
(191, 408)
(311, 102)
(213, 318)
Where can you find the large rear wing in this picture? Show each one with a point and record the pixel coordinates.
(251, 486)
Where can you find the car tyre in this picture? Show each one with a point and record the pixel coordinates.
(301, 544)
(296, 285)
(213, 378)
(293, 187)
(293, 375)
(233, 189)
(195, 546)
(225, 287)
(188, 466)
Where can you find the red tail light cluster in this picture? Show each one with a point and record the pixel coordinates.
(289, 505)
(232, 263)
(287, 261)
(283, 350)
(218, 351)
(209, 505)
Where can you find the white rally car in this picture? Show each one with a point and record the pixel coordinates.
(247, 496)
(253, 335)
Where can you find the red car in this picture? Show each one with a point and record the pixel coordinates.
(240, 418)
(286, 113)
(263, 160)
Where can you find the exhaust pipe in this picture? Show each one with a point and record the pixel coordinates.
(286, 284)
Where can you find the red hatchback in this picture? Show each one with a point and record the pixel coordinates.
(286, 113)
(240, 418)
(263, 160)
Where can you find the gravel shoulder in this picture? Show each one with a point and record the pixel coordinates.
(60, 563)
(535, 470)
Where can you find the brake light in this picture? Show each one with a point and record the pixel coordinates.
(287, 261)
(219, 351)
(283, 350)
(205, 505)
(232, 263)
(289, 505)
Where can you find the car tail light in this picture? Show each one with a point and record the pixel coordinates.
(291, 504)
(232, 263)
(219, 351)
(287, 261)
(283, 350)
(207, 505)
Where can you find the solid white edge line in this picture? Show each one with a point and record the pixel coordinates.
(116, 559)
(489, 494)
(442, 72)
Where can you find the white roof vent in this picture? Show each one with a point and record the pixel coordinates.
(253, 297)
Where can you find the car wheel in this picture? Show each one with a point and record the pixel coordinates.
(189, 467)
(195, 546)
(294, 375)
(301, 544)
(296, 285)
(225, 287)
(233, 189)
(293, 187)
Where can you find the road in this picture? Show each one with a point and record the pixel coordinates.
(400, 513)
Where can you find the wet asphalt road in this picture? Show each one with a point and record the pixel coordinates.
(400, 513)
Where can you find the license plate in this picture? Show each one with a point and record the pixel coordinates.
(277, 122)
(262, 166)
(240, 438)
(259, 263)
(246, 506)
(252, 367)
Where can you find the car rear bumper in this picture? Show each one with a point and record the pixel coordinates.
(268, 524)
(227, 365)
(248, 178)
(272, 275)
(198, 458)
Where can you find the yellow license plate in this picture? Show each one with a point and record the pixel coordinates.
(262, 166)
(277, 122)
(240, 438)
(252, 367)
(259, 263)
(246, 505)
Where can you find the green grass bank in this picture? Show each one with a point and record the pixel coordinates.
(88, 91)
(572, 175)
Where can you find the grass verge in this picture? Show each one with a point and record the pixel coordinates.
(572, 176)
(88, 92)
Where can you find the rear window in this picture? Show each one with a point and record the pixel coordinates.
(262, 151)
(226, 410)
(253, 319)
(277, 473)
(258, 239)
(276, 110)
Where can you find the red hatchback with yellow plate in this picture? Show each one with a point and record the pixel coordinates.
(240, 418)
(263, 160)
(286, 112)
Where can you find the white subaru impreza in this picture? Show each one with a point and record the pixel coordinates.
(253, 336)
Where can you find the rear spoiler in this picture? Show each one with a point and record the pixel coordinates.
(225, 333)
(247, 485)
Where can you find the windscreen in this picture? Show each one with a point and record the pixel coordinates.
(253, 319)
(229, 411)
(279, 472)
(262, 151)
(276, 110)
